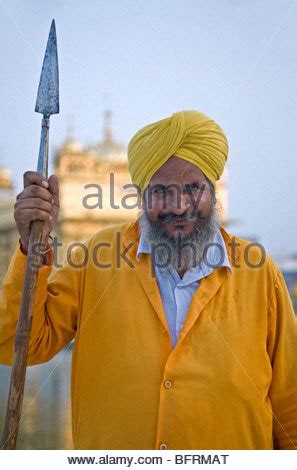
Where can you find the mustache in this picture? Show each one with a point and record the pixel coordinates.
(193, 217)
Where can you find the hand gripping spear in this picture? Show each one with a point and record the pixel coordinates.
(47, 103)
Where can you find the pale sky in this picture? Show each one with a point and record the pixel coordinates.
(233, 60)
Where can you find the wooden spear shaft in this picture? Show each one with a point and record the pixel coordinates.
(18, 372)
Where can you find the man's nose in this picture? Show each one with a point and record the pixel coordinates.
(180, 204)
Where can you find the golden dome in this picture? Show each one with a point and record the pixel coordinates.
(5, 178)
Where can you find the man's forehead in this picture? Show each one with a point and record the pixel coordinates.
(177, 170)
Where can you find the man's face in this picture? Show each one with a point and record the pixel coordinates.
(178, 197)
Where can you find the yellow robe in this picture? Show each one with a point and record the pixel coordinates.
(230, 383)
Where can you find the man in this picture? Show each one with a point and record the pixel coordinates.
(185, 336)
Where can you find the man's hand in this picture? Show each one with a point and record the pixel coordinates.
(39, 200)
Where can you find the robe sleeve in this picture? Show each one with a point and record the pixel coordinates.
(55, 313)
(282, 349)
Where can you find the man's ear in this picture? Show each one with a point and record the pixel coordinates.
(213, 190)
(146, 196)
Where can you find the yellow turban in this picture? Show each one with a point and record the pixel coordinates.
(187, 134)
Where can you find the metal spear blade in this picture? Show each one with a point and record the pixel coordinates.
(47, 101)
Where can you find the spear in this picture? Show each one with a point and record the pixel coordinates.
(47, 103)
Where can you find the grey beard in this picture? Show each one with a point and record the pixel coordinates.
(179, 253)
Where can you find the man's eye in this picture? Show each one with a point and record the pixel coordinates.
(193, 186)
(159, 190)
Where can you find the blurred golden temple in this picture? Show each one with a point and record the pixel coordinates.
(82, 172)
